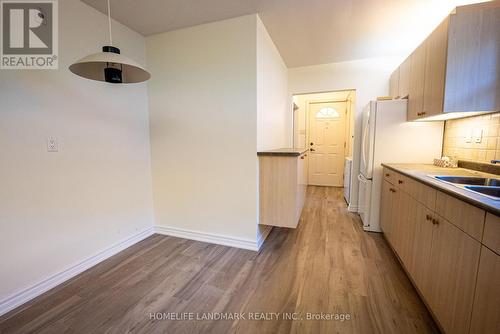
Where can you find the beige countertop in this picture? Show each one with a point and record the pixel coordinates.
(424, 173)
(293, 152)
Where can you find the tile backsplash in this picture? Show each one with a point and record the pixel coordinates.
(473, 138)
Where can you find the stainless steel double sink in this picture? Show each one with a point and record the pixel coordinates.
(481, 185)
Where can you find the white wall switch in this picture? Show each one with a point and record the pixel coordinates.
(477, 134)
(52, 145)
(468, 136)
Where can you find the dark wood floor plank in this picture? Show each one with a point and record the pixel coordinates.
(327, 265)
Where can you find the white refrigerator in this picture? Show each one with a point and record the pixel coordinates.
(388, 138)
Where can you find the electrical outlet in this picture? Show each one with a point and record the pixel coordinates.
(52, 145)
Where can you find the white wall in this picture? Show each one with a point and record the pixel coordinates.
(203, 102)
(274, 110)
(58, 208)
(369, 77)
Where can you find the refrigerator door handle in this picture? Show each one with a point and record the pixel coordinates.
(363, 144)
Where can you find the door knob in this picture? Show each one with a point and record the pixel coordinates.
(311, 144)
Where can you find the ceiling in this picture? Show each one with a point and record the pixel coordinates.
(306, 32)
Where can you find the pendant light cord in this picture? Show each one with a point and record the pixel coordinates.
(109, 25)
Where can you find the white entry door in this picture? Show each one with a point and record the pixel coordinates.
(327, 123)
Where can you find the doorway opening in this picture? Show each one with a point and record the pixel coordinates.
(324, 123)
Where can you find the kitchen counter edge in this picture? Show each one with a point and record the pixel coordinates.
(290, 152)
(477, 200)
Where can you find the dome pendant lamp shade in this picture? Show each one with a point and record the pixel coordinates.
(109, 65)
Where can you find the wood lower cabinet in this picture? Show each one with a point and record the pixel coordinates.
(486, 311)
(302, 169)
(452, 276)
(400, 222)
(491, 235)
(439, 241)
(386, 204)
(466, 217)
(419, 253)
(282, 189)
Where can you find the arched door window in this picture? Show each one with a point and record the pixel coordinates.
(327, 112)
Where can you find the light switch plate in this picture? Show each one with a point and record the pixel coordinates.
(477, 134)
(468, 136)
(52, 145)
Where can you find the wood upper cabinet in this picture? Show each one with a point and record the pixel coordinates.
(427, 75)
(452, 276)
(404, 78)
(456, 68)
(394, 84)
(435, 70)
(486, 310)
(473, 73)
(417, 77)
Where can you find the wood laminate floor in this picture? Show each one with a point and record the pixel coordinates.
(327, 265)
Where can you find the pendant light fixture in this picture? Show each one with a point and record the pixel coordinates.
(109, 65)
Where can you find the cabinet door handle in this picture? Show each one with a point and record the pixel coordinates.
(400, 181)
(435, 221)
(428, 217)
(387, 175)
(302, 157)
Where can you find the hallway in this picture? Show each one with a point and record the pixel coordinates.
(328, 265)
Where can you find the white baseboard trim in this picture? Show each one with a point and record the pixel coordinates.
(352, 208)
(45, 285)
(213, 238)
